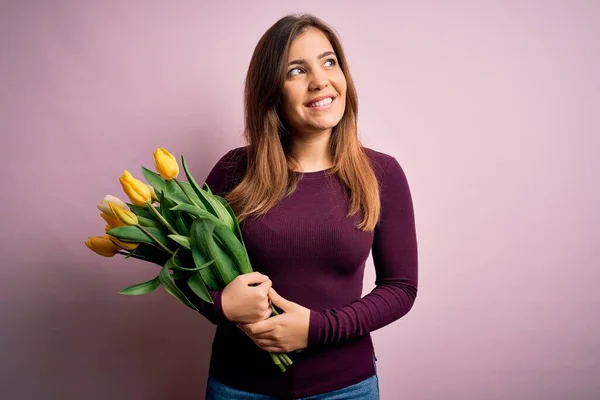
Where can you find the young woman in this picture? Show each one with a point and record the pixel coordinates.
(312, 203)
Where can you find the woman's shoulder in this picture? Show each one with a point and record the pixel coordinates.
(227, 172)
(379, 160)
(233, 157)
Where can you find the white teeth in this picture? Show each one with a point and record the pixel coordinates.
(321, 103)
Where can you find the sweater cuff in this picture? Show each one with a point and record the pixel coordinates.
(218, 307)
(315, 326)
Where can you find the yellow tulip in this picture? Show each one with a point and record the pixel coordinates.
(123, 245)
(137, 191)
(102, 245)
(109, 199)
(125, 216)
(111, 221)
(166, 164)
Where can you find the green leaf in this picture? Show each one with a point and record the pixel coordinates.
(207, 274)
(212, 205)
(234, 248)
(184, 241)
(178, 275)
(142, 288)
(170, 286)
(179, 194)
(177, 259)
(140, 211)
(149, 222)
(174, 193)
(133, 234)
(150, 253)
(154, 179)
(237, 230)
(210, 276)
(181, 226)
(197, 285)
(201, 234)
(190, 190)
(197, 212)
(223, 260)
(195, 269)
(165, 208)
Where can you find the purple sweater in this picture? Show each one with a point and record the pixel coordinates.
(315, 257)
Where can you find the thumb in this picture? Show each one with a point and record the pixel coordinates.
(279, 301)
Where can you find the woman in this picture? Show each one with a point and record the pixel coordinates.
(312, 203)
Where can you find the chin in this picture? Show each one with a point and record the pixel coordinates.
(331, 123)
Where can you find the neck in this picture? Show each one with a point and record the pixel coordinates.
(312, 151)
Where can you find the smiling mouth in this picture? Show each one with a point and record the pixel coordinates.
(321, 104)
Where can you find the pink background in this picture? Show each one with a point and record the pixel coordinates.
(491, 107)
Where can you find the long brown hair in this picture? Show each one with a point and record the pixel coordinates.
(270, 174)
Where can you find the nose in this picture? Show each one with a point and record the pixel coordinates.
(319, 81)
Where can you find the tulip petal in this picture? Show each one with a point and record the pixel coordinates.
(137, 191)
(125, 216)
(101, 245)
(110, 199)
(111, 220)
(124, 245)
(165, 164)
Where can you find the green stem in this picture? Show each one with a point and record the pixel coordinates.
(186, 193)
(277, 361)
(286, 358)
(161, 218)
(151, 236)
(135, 256)
(281, 360)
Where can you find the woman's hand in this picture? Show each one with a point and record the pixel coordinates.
(282, 333)
(243, 303)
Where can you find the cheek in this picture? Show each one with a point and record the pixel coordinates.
(292, 112)
(291, 104)
(340, 85)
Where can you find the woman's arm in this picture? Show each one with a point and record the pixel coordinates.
(395, 258)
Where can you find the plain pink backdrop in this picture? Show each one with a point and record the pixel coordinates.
(491, 107)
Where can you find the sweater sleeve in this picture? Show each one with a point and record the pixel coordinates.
(394, 253)
(217, 180)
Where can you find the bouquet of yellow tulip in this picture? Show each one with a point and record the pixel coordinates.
(192, 233)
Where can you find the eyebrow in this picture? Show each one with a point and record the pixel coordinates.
(303, 62)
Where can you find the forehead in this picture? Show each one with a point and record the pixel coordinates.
(309, 44)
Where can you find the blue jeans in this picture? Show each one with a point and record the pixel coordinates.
(367, 389)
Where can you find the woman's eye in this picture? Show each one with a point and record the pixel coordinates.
(332, 60)
(291, 73)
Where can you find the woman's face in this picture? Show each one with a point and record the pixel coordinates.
(314, 92)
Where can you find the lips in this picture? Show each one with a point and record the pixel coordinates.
(320, 101)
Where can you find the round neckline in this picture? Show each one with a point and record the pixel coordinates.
(314, 174)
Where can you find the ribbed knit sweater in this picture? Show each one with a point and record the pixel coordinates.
(315, 256)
